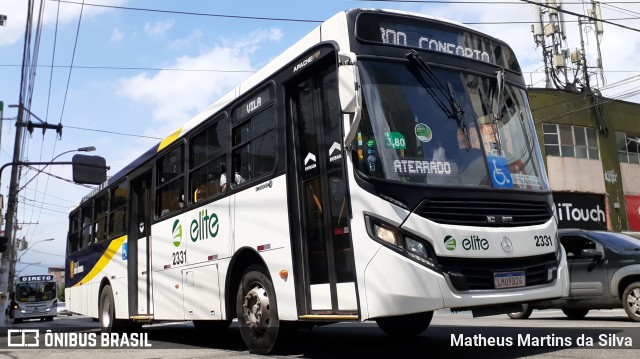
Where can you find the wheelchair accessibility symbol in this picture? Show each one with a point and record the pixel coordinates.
(500, 175)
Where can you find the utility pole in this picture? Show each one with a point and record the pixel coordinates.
(8, 255)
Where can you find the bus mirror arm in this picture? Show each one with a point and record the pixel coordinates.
(349, 95)
(355, 124)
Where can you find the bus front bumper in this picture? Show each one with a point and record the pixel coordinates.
(396, 285)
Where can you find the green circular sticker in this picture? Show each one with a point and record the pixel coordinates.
(450, 243)
(371, 143)
(423, 132)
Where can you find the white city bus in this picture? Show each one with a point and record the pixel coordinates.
(34, 297)
(383, 167)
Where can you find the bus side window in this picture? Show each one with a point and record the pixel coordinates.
(86, 214)
(118, 210)
(169, 182)
(74, 232)
(206, 153)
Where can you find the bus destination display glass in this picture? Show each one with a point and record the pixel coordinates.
(433, 36)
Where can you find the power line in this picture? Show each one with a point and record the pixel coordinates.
(137, 68)
(621, 96)
(51, 254)
(579, 15)
(192, 13)
(486, 2)
(53, 57)
(320, 21)
(58, 177)
(112, 132)
(73, 56)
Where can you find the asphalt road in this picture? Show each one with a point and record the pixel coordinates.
(547, 334)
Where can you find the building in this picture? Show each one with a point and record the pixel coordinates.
(591, 147)
(58, 274)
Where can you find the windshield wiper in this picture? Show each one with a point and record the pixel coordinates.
(497, 103)
(453, 110)
(497, 109)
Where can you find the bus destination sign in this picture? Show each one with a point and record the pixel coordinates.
(36, 278)
(434, 36)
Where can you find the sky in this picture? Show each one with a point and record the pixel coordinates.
(126, 75)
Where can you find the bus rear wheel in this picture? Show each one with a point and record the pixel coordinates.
(107, 314)
(257, 311)
(409, 325)
(106, 310)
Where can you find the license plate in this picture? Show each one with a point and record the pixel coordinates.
(509, 279)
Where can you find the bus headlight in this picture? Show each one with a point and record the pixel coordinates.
(416, 248)
(388, 235)
(403, 242)
(419, 251)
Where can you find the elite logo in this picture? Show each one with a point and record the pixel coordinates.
(450, 243)
(473, 243)
(176, 231)
(204, 226)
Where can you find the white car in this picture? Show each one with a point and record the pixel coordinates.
(62, 309)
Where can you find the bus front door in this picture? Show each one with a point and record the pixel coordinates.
(323, 238)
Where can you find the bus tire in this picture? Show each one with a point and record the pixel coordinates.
(524, 314)
(212, 325)
(257, 311)
(107, 311)
(409, 325)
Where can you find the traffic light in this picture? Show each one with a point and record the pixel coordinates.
(4, 242)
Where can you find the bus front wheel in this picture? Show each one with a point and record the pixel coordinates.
(524, 314)
(408, 325)
(575, 313)
(257, 311)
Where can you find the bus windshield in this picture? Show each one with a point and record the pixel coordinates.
(443, 127)
(35, 291)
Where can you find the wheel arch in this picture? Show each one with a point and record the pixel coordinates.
(104, 282)
(622, 278)
(242, 259)
(625, 282)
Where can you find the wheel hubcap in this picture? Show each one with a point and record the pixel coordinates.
(633, 300)
(257, 312)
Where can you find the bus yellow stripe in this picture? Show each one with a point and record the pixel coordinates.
(169, 139)
(104, 260)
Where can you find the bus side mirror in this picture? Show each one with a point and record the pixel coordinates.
(89, 169)
(348, 81)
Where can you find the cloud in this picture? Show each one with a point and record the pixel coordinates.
(186, 41)
(54, 12)
(158, 28)
(116, 35)
(175, 96)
